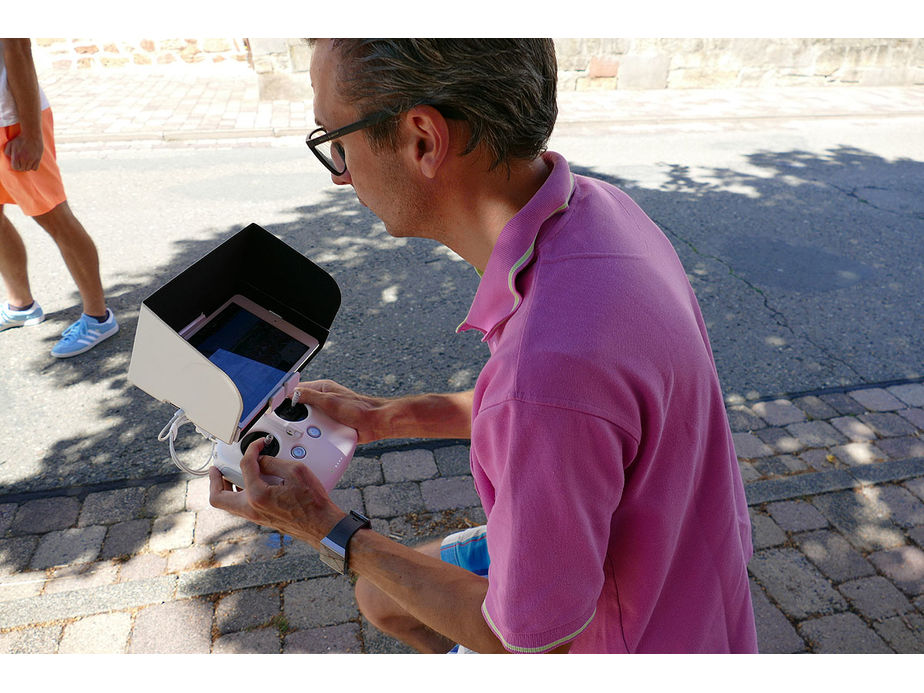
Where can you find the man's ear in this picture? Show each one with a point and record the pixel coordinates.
(428, 139)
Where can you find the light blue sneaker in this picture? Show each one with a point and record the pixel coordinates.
(85, 334)
(20, 318)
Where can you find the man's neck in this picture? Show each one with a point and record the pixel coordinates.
(480, 204)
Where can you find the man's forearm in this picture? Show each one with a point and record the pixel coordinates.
(23, 85)
(429, 416)
(445, 597)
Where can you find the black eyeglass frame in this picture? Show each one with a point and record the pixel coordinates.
(314, 142)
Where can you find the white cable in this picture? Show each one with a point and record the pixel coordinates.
(169, 432)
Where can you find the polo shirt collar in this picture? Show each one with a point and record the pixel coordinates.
(497, 297)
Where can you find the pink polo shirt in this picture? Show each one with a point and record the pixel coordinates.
(600, 446)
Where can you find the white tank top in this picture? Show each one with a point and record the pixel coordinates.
(8, 114)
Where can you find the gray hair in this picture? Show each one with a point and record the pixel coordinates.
(504, 89)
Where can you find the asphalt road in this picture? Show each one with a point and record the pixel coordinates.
(802, 239)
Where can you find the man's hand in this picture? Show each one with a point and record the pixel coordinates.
(375, 418)
(365, 414)
(299, 507)
(25, 154)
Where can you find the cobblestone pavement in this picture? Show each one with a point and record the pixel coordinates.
(834, 479)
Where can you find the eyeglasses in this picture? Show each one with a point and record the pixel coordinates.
(331, 153)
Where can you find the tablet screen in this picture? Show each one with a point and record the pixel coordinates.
(256, 355)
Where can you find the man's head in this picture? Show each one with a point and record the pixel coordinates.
(503, 89)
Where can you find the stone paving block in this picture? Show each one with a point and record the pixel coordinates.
(16, 553)
(449, 493)
(816, 434)
(860, 518)
(875, 597)
(781, 465)
(21, 585)
(888, 424)
(179, 627)
(323, 601)
(853, 454)
(214, 525)
(765, 532)
(80, 577)
(902, 448)
(905, 509)
(877, 399)
(917, 536)
(190, 558)
(904, 566)
(916, 486)
(100, 634)
(393, 499)
(255, 549)
(348, 499)
(362, 471)
(749, 446)
(78, 545)
(843, 403)
(197, 494)
(45, 515)
(905, 633)
(408, 465)
(819, 459)
(125, 538)
(833, 555)
(815, 407)
(108, 507)
(40, 640)
(262, 641)
(247, 609)
(855, 429)
(742, 420)
(165, 499)
(796, 516)
(913, 416)
(142, 567)
(794, 583)
(780, 439)
(911, 394)
(779, 412)
(343, 638)
(174, 531)
(7, 513)
(842, 634)
(775, 634)
(749, 472)
(453, 460)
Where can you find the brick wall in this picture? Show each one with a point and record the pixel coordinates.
(280, 64)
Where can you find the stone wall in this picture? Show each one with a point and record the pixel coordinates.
(280, 64)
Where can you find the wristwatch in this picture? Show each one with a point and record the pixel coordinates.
(334, 549)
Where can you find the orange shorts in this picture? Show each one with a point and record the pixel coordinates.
(36, 192)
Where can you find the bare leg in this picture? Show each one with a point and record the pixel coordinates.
(79, 253)
(386, 615)
(13, 263)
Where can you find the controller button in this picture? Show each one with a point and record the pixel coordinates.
(314, 431)
(298, 452)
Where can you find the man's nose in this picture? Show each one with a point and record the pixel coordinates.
(342, 179)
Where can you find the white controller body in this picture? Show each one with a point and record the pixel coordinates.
(303, 434)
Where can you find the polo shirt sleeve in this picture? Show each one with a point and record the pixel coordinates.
(552, 478)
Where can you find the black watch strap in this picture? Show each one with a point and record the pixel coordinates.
(334, 549)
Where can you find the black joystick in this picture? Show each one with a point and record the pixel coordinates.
(272, 449)
(291, 412)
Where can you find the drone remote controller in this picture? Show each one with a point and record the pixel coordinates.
(298, 433)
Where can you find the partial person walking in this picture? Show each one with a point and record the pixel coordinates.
(30, 178)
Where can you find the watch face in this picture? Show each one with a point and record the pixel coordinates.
(332, 555)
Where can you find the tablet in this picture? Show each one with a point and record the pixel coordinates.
(255, 347)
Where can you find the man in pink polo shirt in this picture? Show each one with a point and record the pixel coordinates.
(600, 449)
